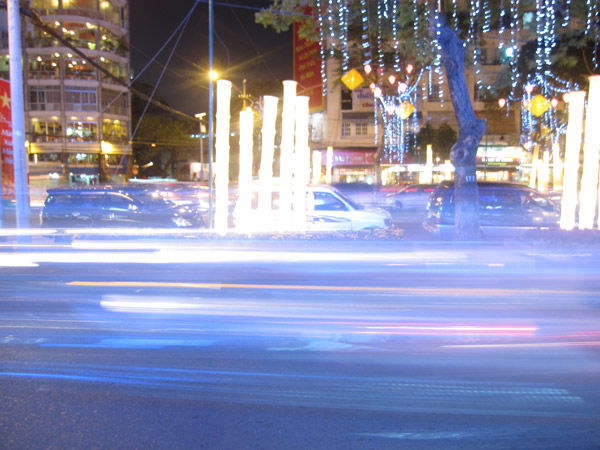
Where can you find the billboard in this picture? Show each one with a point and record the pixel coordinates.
(307, 69)
(6, 147)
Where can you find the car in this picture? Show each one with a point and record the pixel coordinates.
(113, 206)
(414, 197)
(363, 193)
(506, 210)
(327, 210)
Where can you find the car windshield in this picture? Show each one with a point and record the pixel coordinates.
(348, 200)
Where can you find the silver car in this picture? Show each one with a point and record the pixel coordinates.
(414, 197)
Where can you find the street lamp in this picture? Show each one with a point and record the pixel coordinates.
(200, 118)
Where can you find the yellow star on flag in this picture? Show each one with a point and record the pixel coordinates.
(5, 100)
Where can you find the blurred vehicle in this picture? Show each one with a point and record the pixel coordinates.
(194, 194)
(364, 193)
(115, 207)
(505, 210)
(414, 196)
(327, 209)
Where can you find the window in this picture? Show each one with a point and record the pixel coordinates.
(434, 94)
(80, 98)
(361, 128)
(115, 102)
(44, 67)
(346, 129)
(119, 71)
(82, 131)
(324, 201)
(45, 130)
(79, 69)
(114, 130)
(44, 98)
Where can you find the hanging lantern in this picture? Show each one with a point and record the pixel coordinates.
(402, 87)
(372, 87)
(392, 79)
(501, 102)
(529, 88)
(409, 68)
(538, 105)
(554, 102)
(367, 68)
(352, 79)
(405, 110)
(377, 92)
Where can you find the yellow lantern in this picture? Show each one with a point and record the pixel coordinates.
(405, 110)
(352, 79)
(538, 105)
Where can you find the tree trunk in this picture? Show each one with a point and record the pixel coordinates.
(470, 132)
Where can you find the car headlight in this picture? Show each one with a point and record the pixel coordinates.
(181, 222)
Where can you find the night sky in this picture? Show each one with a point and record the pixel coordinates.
(242, 48)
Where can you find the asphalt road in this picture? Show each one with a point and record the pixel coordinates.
(349, 345)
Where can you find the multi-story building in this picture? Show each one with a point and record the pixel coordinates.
(77, 108)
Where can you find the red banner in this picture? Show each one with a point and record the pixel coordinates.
(6, 147)
(307, 69)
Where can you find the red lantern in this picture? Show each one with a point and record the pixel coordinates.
(501, 102)
(367, 68)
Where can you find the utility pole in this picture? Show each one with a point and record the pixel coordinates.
(210, 111)
(18, 115)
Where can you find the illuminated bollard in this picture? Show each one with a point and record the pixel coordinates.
(286, 164)
(591, 149)
(302, 163)
(572, 150)
(427, 175)
(265, 174)
(222, 155)
(244, 203)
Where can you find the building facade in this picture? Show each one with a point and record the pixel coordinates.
(77, 104)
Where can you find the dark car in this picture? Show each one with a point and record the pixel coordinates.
(102, 207)
(506, 210)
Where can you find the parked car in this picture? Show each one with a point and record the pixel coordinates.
(327, 210)
(364, 193)
(414, 196)
(115, 207)
(506, 210)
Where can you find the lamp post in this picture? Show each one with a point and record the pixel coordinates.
(200, 118)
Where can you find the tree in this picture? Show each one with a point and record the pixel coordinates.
(354, 33)
(162, 141)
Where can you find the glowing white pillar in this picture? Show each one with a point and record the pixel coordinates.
(222, 155)
(317, 166)
(286, 162)
(329, 165)
(572, 150)
(557, 169)
(302, 162)
(244, 203)
(427, 176)
(591, 150)
(265, 174)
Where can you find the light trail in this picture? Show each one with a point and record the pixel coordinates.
(445, 291)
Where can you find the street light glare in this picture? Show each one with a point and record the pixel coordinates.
(213, 75)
